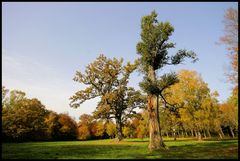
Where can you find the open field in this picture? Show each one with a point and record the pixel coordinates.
(128, 149)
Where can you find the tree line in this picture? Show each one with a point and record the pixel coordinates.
(25, 119)
(196, 113)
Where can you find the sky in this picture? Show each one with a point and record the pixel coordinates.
(45, 43)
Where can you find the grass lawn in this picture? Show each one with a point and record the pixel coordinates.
(128, 149)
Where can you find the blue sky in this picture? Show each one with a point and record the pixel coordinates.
(44, 43)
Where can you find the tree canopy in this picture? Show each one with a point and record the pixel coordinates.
(108, 79)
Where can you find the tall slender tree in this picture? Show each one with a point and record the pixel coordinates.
(153, 51)
(230, 39)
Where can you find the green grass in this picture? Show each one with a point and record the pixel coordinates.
(127, 149)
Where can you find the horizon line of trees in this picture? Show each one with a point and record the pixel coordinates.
(25, 119)
(197, 114)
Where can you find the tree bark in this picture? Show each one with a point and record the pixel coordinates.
(220, 135)
(204, 134)
(174, 135)
(192, 132)
(209, 134)
(196, 135)
(154, 132)
(156, 141)
(167, 133)
(158, 117)
(222, 132)
(231, 130)
(199, 135)
(119, 129)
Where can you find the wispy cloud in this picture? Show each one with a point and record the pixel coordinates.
(41, 81)
(18, 65)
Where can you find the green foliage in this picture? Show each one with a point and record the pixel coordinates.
(154, 55)
(157, 87)
(153, 49)
(154, 45)
(181, 54)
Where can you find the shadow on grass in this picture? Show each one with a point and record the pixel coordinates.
(144, 141)
(137, 141)
(191, 150)
(73, 152)
(203, 150)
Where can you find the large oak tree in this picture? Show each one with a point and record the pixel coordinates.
(108, 79)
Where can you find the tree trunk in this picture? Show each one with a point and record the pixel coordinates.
(220, 135)
(204, 134)
(231, 130)
(199, 135)
(174, 135)
(154, 127)
(156, 141)
(209, 134)
(167, 133)
(195, 132)
(158, 117)
(192, 132)
(221, 132)
(119, 129)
